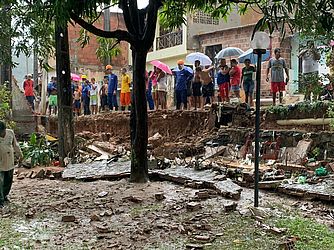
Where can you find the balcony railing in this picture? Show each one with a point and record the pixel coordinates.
(170, 40)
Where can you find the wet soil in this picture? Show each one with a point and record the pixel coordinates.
(122, 215)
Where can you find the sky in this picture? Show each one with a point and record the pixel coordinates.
(141, 4)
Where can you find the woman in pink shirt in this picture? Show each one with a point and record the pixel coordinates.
(235, 77)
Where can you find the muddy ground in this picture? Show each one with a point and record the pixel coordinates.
(122, 215)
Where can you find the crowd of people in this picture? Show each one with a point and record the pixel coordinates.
(194, 87)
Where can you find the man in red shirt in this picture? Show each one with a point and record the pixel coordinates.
(235, 77)
(28, 87)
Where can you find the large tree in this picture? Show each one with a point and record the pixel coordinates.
(300, 15)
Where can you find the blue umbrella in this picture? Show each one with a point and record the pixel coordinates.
(253, 57)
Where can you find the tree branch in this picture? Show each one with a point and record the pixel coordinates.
(152, 15)
(121, 35)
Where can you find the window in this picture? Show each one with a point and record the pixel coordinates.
(212, 51)
(169, 38)
(204, 18)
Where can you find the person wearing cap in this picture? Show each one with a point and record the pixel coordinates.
(86, 97)
(8, 146)
(182, 77)
(28, 87)
(112, 88)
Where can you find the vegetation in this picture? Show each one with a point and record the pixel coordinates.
(107, 49)
(38, 151)
(5, 107)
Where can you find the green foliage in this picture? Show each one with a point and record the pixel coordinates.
(280, 111)
(312, 234)
(107, 49)
(310, 83)
(5, 107)
(38, 150)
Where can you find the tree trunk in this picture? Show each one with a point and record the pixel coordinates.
(138, 119)
(6, 67)
(65, 113)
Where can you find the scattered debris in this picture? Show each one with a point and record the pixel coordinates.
(68, 218)
(193, 206)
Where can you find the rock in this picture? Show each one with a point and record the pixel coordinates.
(68, 218)
(95, 217)
(21, 176)
(159, 196)
(133, 199)
(193, 206)
(228, 189)
(106, 213)
(194, 246)
(40, 174)
(30, 214)
(103, 194)
(203, 194)
(202, 238)
(231, 206)
(51, 177)
(102, 228)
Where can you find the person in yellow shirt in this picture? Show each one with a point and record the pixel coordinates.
(8, 145)
(125, 98)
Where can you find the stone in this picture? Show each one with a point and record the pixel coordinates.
(68, 218)
(193, 206)
(102, 228)
(194, 246)
(95, 217)
(231, 206)
(203, 194)
(102, 194)
(21, 176)
(228, 189)
(202, 238)
(159, 196)
(133, 199)
(40, 174)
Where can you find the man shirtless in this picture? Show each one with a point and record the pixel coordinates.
(207, 85)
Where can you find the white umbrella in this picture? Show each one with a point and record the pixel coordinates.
(229, 52)
(198, 56)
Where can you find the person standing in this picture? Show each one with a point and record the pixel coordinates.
(28, 87)
(247, 81)
(8, 146)
(86, 97)
(104, 94)
(153, 78)
(161, 89)
(52, 90)
(223, 81)
(125, 98)
(310, 79)
(93, 96)
(235, 77)
(76, 100)
(182, 77)
(207, 86)
(196, 87)
(112, 88)
(277, 65)
(149, 97)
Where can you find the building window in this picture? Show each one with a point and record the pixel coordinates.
(204, 18)
(169, 38)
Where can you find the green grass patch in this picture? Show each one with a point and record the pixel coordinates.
(10, 238)
(312, 234)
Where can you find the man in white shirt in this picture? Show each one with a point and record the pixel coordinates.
(8, 145)
(310, 58)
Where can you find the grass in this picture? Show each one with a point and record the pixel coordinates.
(312, 234)
(141, 209)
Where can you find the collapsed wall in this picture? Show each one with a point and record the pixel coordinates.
(170, 124)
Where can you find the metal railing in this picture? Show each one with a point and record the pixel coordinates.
(170, 40)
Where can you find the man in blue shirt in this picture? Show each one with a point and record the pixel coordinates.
(112, 88)
(86, 97)
(182, 77)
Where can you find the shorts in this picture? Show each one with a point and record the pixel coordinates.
(277, 87)
(249, 86)
(53, 101)
(223, 90)
(235, 88)
(93, 100)
(125, 99)
(197, 89)
(189, 89)
(208, 90)
(77, 104)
